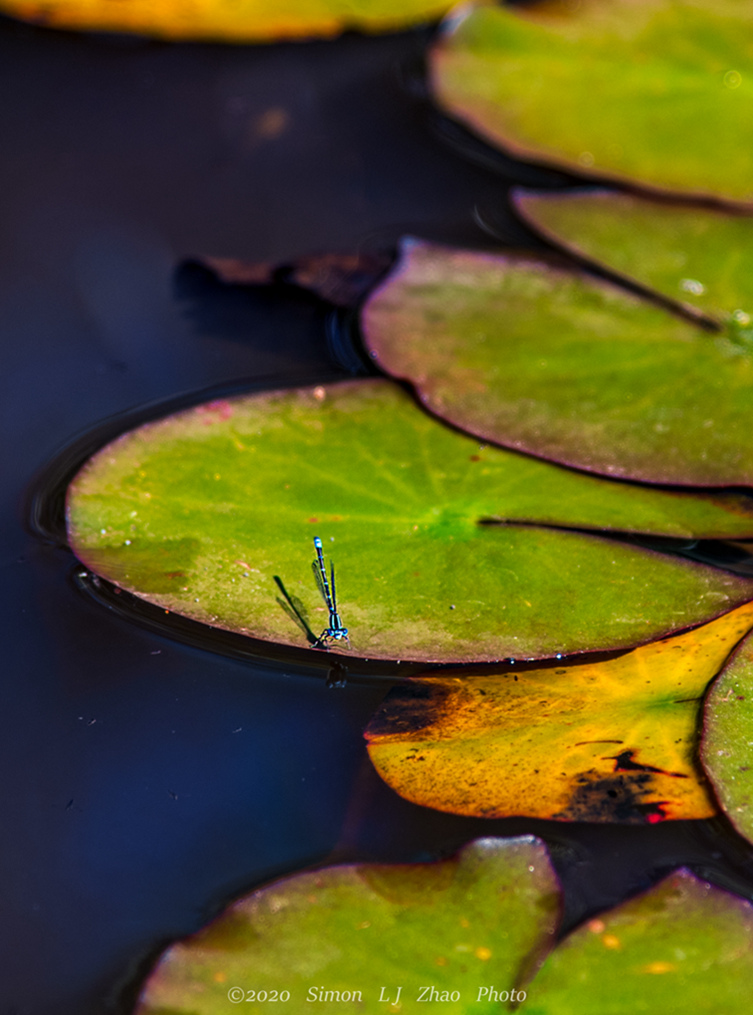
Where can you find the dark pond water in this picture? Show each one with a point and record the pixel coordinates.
(145, 779)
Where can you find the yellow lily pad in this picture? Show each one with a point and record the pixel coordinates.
(227, 20)
(596, 741)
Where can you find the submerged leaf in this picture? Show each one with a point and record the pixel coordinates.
(566, 366)
(659, 92)
(695, 256)
(211, 513)
(727, 744)
(366, 929)
(227, 20)
(605, 741)
(683, 946)
(342, 279)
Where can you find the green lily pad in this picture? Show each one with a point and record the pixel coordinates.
(613, 740)
(699, 257)
(659, 92)
(683, 946)
(227, 20)
(727, 744)
(346, 938)
(200, 511)
(563, 365)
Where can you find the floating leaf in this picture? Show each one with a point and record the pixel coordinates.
(200, 511)
(366, 929)
(659, 91)
(683, 946)
(692, 255)
(605, 741)
(727, 745)
(563, 365)
(227, 20)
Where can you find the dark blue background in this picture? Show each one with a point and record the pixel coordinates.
(144, 782)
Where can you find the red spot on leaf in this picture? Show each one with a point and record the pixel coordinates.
(215, 411)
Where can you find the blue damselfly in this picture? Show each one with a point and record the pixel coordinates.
(334, 630)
